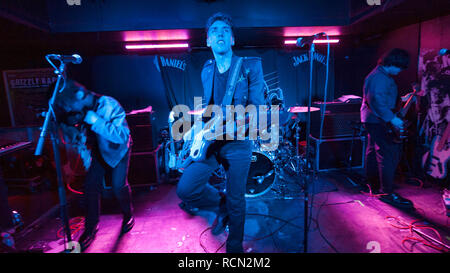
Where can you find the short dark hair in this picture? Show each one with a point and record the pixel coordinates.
(220, 16)
(396, 57)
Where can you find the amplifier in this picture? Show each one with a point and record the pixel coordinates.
(335, 125)
(335, 107)
(339, 119)
(333, 154)
(143, 169)
(141, 131)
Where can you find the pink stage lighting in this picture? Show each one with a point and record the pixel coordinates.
(155, 35)
(321, 41)
(155, 46)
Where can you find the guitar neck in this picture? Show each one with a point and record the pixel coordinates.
(402, 113)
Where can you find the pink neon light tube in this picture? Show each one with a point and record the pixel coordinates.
(152, 46)
(331, 41)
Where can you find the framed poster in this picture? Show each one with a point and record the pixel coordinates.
(27, 94)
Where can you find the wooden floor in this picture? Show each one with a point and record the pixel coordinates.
(342, 219)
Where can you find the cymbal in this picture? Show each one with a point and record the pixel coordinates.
(302, 109)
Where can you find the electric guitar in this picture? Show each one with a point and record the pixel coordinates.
(435, 160)
(76, 137)
(399, 134)
(196, 145)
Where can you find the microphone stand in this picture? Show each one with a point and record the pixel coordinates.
(308, 131)
(50, 123)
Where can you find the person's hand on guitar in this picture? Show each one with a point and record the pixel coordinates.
(398, 123)
(407, 96)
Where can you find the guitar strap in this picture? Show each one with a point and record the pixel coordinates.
(231, 84)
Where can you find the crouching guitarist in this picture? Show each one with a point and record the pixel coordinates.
(235, 155)
(383, 153)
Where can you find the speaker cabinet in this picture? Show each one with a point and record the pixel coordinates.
(334, 125)
(339, 119)
(143, 169)
(333, 154)
(141, 131)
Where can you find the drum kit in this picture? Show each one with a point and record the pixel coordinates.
(269, 165)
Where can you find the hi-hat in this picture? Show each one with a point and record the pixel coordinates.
(302, 109)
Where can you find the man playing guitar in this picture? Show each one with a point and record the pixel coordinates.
(383, 153)
(235, 155)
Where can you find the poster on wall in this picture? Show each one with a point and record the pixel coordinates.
(434, 73)
(26, 91)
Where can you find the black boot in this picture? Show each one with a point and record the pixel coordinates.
(397, 201)
(87, 237)
(220, 223)
(188, 208)
(127, 224)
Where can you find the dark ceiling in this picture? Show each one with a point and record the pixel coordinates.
(261, 23)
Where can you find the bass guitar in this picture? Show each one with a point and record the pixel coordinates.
(399, 134)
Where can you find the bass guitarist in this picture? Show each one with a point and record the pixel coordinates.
(235, 155)
(383, 153)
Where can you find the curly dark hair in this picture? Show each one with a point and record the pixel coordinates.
(396, 57)
(68, 92)
(220, 16)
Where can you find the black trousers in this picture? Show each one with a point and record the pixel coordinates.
(117, 176)
(194, 189)
(382, 157)
(6, 221)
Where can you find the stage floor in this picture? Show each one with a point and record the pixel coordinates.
(342, 219)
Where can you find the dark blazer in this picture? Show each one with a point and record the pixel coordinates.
(249, 86)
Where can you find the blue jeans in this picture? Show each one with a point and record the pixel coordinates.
(382, 157)
(98, 171)
(194, 189)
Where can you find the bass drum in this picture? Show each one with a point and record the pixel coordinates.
(261, 175)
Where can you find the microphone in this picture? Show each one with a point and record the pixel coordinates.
(75, 58)
(308, 40)
(444, 51)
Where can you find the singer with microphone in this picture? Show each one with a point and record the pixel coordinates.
(108, 137)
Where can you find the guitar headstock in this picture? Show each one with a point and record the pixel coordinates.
(415, 87)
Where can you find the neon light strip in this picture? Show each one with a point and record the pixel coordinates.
(152, 46)
(331, 41)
